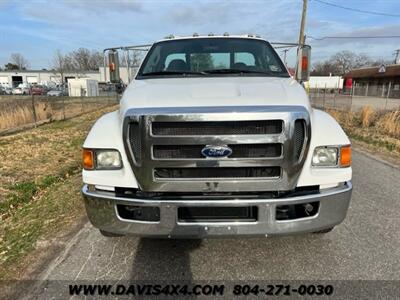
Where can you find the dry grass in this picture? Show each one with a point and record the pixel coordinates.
(13, 116)
(367, 116)
(390, 123)
(19, 112)
(379, 129)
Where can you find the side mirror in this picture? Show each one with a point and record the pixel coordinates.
(303, 63)
(113, 65)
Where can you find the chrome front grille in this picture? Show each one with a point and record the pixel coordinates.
(217, 127)
(268, 144)
(216, 173)
(238, 151)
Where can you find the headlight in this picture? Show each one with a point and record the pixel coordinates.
(108, 159)
(99, 159)
(332, 156)
(325, 157)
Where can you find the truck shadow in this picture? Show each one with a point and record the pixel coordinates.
(163, 259)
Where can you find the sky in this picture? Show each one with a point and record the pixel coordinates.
(36, 28)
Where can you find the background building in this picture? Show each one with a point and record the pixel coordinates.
(15, 77)
(382, 81)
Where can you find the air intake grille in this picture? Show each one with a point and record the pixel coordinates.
(298, 138)
(210, 173)
(218, 128)
(238, 151)
(135, 140)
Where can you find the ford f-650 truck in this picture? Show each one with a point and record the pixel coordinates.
(214, 138)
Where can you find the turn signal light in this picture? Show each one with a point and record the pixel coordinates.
(87, 159)
(345, 156)
(304, 63)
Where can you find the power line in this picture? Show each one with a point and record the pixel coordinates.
(358, 10)
(354, 37)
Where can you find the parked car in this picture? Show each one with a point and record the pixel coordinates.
(7, 90)
(17, 91)
(21, 89)
(57, 92)
(38, 90)
(209, 147)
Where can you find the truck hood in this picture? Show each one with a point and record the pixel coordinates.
(213, 91)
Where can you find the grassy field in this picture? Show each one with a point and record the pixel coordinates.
(39, 187)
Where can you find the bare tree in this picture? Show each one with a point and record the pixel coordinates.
(20, 61)
(347, 61)
(60, 64)
(324, 68)
(96, 60)
(341, 63)
(85, 60)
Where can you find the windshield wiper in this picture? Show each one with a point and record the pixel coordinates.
(235, 71)
(172, 73)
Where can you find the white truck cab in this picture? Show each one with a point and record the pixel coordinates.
(213, 138)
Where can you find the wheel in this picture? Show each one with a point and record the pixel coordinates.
(110, 234)
(323, 231)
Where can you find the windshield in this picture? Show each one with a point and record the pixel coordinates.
(212, 57)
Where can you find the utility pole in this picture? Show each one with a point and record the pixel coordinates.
(397, 58)
(301, 35)
(303, 23)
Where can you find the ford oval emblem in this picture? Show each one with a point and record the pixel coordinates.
(216, 151)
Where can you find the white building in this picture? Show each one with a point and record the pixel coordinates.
(325, 82)
(14, 78)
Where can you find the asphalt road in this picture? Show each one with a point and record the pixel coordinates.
(366, 246)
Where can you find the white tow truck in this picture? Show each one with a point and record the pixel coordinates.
(214, 138)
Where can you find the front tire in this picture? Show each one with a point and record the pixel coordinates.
(110, 234)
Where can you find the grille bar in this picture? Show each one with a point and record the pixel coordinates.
(238, 151)
(217, 128)
(210, 173)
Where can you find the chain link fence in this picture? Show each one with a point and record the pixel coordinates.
(353, 100)
(20, 112)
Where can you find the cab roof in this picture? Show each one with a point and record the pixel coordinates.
(211, 35)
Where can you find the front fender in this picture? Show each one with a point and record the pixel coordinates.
(107, 133)
(325, 131)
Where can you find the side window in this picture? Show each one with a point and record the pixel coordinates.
(272, 64)
(172, 57)
(245, 58)
(152, 63)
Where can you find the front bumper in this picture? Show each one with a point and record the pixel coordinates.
(102, 212)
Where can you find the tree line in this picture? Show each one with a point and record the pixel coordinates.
(343, 62)
(78, 60)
